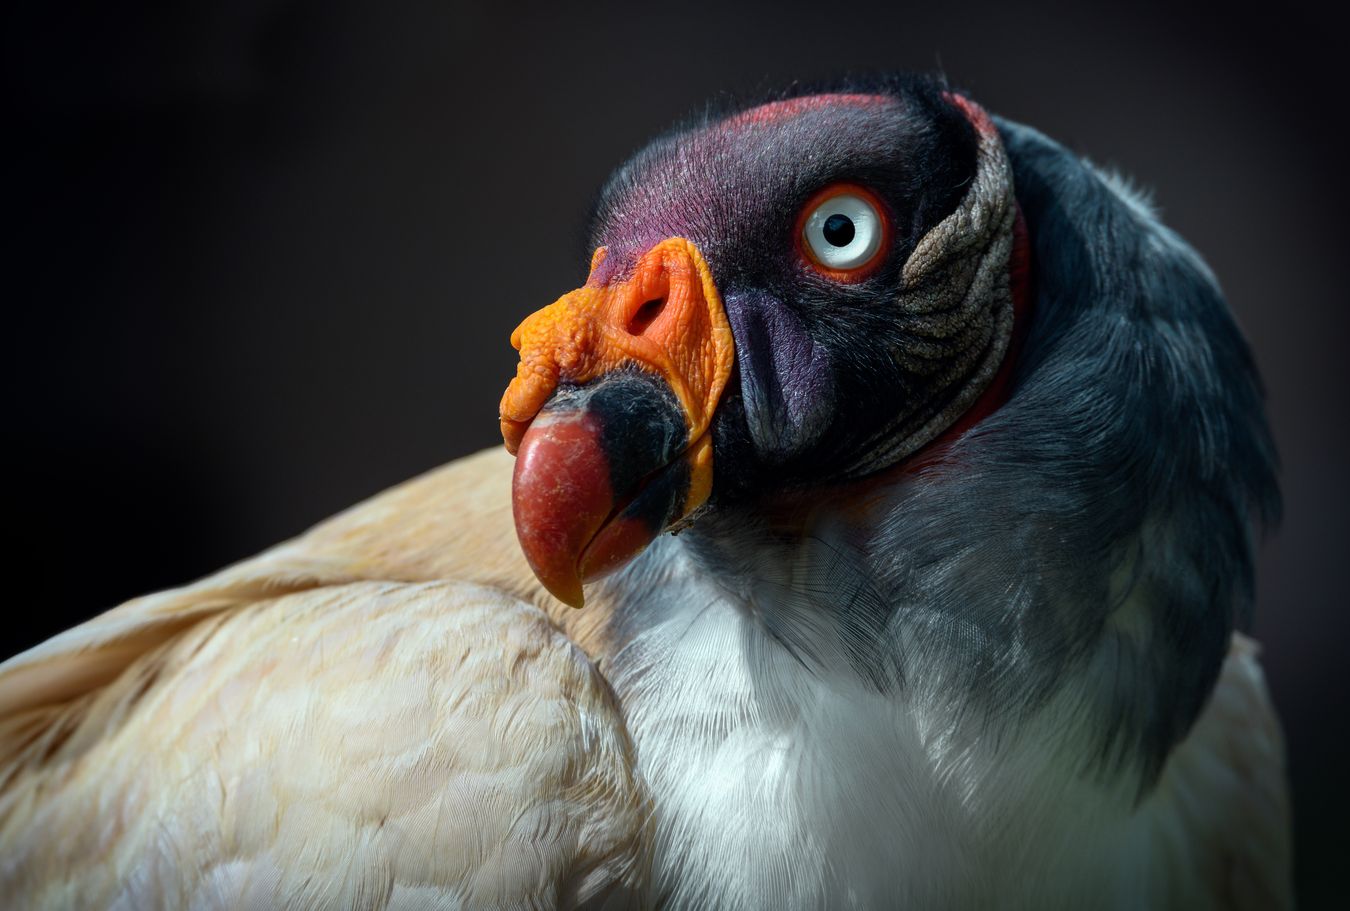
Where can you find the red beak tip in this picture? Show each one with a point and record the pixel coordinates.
(566, 590)
(560, 498)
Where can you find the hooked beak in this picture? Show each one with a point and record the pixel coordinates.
(610, 411)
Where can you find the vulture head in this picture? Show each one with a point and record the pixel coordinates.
(801, 294)
(999, 397)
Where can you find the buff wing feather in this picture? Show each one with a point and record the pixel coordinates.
(1219, 819)
(330, 725)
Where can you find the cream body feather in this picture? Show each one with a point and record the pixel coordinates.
(388, 713)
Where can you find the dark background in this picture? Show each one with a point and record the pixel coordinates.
(265, 255)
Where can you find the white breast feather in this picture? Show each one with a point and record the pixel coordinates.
(779, 786)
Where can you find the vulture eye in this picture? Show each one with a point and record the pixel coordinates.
(843, 232)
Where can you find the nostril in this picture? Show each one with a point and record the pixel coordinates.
(645, 315)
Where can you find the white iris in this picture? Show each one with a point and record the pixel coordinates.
(855, 250)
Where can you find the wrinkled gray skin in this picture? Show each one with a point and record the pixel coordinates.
(1127, 462)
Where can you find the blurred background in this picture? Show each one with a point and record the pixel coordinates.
(265, 255)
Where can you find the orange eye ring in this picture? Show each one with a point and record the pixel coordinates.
(871, 217)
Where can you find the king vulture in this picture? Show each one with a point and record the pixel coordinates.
(907, 469)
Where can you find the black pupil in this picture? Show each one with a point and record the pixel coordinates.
(838, 230)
